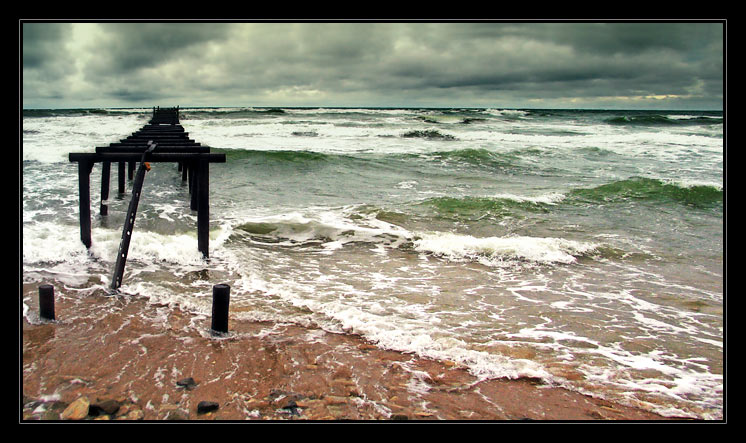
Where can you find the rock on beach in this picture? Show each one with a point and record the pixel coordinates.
(78, 410)
(107, 407)
(207, 406)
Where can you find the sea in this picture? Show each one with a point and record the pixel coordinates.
(583, 248)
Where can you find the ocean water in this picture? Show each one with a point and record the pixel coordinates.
(584, 248)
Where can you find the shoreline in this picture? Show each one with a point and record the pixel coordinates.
(140, 357)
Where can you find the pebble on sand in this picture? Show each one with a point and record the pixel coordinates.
(77, 410)
(207, 406)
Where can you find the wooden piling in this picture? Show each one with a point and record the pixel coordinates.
(120, 171)
(129, 224)
(105, 176)
(220, 308)
(84, 193)
(203, 209)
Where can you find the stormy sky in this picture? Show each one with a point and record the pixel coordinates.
(644, 65)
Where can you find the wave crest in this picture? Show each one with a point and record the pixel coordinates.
(667, 120)
(649, 189)
(497, 251)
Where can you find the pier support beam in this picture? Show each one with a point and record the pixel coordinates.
(203, 209)
(105, 175)
(193, 185)
(84, 193)
(121, 177)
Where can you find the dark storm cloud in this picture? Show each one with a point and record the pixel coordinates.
(126, 47)
(44, 49)
(379, 64)
(553, 57)
(42, 41)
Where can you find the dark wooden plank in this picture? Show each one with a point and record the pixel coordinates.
(155, 157)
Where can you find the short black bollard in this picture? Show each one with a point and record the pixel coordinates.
(220, 301)
(46, 302)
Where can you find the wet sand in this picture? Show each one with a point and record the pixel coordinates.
(124, 349)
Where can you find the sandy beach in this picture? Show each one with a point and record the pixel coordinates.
(155, 362)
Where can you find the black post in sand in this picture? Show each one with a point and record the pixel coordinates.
(220, 302)
(46, 302)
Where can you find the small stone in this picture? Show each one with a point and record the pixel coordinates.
(77, 410)
(258, 404)
(334, 400)
(124, 409)
(177, 414)
(207, 406)
(135, 415)
(187, 383)
(399, 417)
(291, 404)
(109, 407)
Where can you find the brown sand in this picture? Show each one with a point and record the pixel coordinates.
(121, 348)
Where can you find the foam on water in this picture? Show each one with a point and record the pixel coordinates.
(495, 251)
(51, 139)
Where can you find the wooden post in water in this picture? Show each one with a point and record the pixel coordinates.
(203, 207)
(193, 185)
(129, 222)
(84, 193)
(121, 177)
(105, 175)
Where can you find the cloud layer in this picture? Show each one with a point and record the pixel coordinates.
(576, 65)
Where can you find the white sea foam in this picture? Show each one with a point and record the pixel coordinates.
(494, 251)
(547, 199)
(48, 243)
(506, 112)
(331, 227)
(51, 139)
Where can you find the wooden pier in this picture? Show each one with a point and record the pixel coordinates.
(162, 140)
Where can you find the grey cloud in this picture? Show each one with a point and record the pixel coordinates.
(44, 52)
(130, 46)
(42, 41)
(396, 63)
